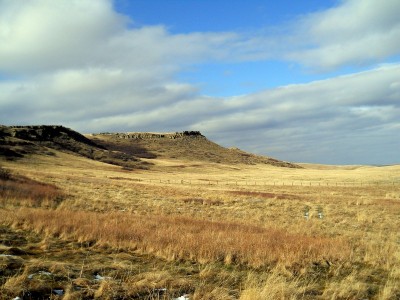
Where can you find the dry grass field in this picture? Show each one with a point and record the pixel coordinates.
(74, 228)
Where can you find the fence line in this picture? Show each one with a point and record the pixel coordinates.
(263, 183)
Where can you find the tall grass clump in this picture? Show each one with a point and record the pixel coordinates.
(4, 174)
(16, 190)
(175, 238)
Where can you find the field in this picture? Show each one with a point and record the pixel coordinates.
(74, 228)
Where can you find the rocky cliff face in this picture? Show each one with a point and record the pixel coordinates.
(154, 135)
(186, 145)
(19, 141)
(51, 133)
(125, 149)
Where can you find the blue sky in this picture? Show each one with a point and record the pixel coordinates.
(229, 78)
(303, 81)
(185, 16)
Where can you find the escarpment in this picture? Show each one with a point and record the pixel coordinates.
(130, 149)
(154, 135)
(185, 145)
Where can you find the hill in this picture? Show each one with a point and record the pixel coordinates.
(19, 141)
(75, 228)
(125, 149)
(186, 145)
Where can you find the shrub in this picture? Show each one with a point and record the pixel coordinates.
(4, 174)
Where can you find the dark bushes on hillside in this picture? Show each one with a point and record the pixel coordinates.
(4, 174)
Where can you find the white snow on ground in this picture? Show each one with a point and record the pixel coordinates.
(39, 273)
(98, 277)
(183, 297)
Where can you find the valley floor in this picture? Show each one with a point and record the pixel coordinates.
(73, 228)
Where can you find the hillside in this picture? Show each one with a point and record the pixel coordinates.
(187, 145)
(124, 149)
(75, 228)
(19, 141)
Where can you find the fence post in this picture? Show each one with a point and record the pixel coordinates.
(306, 212)
(320, 212)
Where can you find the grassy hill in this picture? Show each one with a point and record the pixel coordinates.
(91, 230)
(72, 227)
(124, 149)
(19, 141)
(187, 145)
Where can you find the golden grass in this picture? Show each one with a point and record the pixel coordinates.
(272, 287)
(22, 191)
(182, 237)
(228, 231)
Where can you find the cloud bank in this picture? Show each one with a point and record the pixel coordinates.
(83, 65)
(353, 33)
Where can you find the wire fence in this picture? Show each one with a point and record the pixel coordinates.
(210, 182)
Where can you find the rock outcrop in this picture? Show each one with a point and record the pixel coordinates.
(155, 135)
(124, 149)
(186, 145)
(19, 141)
(51, 133)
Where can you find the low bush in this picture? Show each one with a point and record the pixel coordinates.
(4, 174)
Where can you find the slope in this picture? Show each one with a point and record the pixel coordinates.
(187, 145)
(19, 141)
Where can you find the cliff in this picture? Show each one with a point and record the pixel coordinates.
(19, 141)
(124, 149)
(186, 145)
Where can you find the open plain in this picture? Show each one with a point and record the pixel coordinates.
(75, 228)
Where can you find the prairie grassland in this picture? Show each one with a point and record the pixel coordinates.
(212, 231)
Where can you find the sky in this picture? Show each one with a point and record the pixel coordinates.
(302, 81)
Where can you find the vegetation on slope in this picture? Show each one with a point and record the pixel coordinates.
(187, 145)
(115, 237)
(124, 149)
(18, 141)
(17, 190)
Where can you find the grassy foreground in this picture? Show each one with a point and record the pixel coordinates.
(72, 228)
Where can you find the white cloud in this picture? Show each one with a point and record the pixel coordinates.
(79, 64)
(355, 32)
(46, 34)
(317, 100)
(327, 121)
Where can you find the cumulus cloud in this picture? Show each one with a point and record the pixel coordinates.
(297, 120)
(45, 35)
(83, 65)
(355, 32)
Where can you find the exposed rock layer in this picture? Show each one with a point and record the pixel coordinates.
(125, 149)
(186, 145)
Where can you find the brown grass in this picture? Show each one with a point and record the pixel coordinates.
(169, 228)
(19, 190)
(182, 238)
